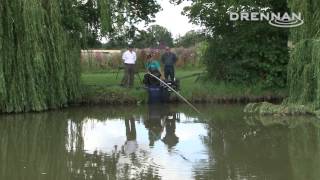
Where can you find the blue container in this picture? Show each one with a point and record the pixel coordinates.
(165, 95)
(155, 94)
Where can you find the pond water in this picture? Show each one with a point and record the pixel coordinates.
(158, 142)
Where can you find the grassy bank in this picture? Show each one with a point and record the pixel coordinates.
(103, 88)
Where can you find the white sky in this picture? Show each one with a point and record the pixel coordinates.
(172, 19)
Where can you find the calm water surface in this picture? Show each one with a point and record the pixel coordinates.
(158, 142)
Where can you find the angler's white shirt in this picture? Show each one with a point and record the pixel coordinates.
(129, 57)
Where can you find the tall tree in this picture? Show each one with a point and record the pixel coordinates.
(115, 20)
(191, 38)
(40, 46)
(39, 57)
(303, 69)
(242, 52)
(155, 36)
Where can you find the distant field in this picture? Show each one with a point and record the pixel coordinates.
(102, 60)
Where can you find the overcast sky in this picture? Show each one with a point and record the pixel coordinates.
(171, 18)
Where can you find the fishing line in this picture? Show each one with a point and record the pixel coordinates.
(184, 99)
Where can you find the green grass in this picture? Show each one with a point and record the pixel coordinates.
(209, 89)
(105, 87)
(101, 79)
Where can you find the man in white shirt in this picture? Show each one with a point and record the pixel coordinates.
(129, 58)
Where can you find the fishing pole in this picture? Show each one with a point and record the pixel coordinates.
(184, 99)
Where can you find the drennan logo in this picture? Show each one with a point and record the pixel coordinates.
(285, 20)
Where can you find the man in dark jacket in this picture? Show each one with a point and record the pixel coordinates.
(169, 59)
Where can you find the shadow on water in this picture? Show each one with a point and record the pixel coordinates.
(157, 142)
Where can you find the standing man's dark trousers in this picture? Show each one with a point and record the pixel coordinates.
(128, 77)
(169, 72)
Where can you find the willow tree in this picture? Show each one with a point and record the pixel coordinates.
(304, 65)
(39, 59)
(40, 46)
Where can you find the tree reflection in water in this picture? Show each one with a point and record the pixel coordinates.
(123, 162)
(32, 146)
(52, 145)
(129, 161)
(47, 146)
(275, 148)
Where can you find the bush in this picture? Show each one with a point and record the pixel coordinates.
(254, 54)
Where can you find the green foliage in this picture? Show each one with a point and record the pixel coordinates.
(105, 14)
(304, 73)
(254, 54)
(40, 46)
(125, 16)
(190, 39)
(153, 37)
(242, 52)
(201, 48)
(271, 109)
(39, 60)
(303, 69)
(113, 19)
(310, 10)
